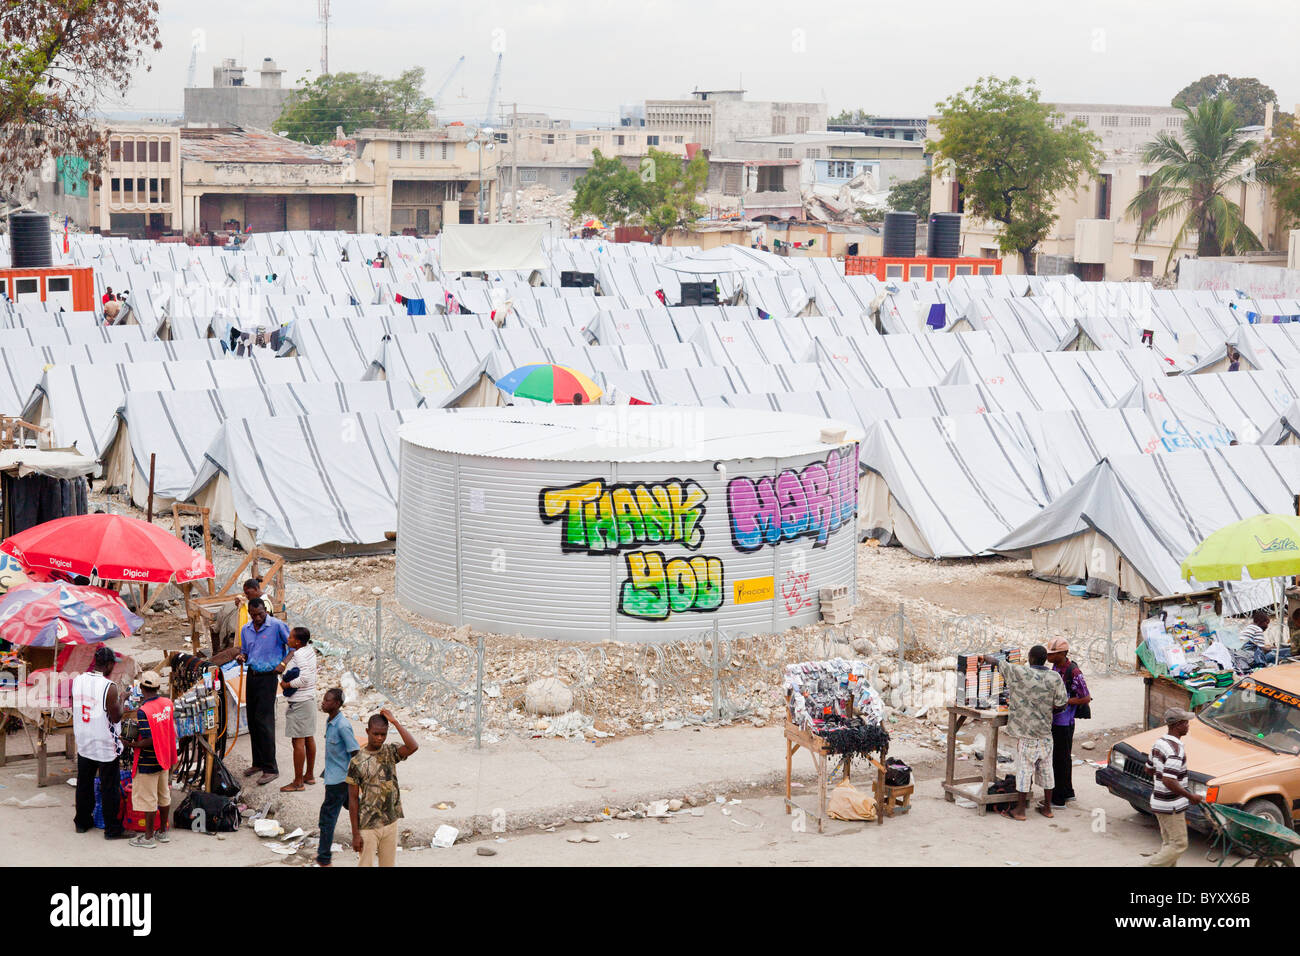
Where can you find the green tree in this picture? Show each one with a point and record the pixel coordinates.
(58, 60)
(1282, 155)
(660, 196)
(912, 196)
(609, 190)
(1196, 172)
(849, 118)
(1247, 94)
(1012, 157)
(670, 190)
(355, 101)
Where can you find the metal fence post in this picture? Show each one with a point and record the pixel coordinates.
(376, 669)
(902, 633)
(1110, 629)
(478, 695)
(717, 678)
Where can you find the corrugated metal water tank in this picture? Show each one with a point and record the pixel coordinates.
(625, 523)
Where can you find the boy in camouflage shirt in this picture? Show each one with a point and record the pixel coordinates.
(1035, 693)
(374, 797)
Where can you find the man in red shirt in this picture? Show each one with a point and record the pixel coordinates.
(155, 755)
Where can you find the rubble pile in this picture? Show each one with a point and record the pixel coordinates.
(538, 203)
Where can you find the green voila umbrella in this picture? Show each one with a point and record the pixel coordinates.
(1265, 546)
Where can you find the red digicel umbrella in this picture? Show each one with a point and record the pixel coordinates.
(111, 547)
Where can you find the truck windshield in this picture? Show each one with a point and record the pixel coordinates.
(1260, 713)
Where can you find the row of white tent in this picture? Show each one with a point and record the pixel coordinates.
(974, 433)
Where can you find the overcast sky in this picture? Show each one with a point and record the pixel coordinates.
(581, 59)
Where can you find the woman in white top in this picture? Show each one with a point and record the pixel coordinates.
(299, 686)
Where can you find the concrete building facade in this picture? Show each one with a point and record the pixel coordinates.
(230, 101)
(715, 117)
(251, 180)
(559, 157)
(831, 158)
(768, 189)
(425, 178)
(1093, 228)
(140, 183)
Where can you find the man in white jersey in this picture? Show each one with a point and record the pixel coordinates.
(96, 718)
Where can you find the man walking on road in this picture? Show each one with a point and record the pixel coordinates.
(1035, 693)
(1169, 794)
(264, 643)
(340, 748)
(1058, 649)
(97, 716)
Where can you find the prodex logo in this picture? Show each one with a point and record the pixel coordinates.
(77, 910)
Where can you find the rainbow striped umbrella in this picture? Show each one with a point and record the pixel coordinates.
(550, 383)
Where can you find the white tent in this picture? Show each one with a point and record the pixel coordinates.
(176, 427)
(1261, 347)
(946, 487)
(1133, 519)
(865, 406)
(1055, 381)
(1284, 431)
(891, 361)
(330, 488)
(1211, 410)
(80, 402)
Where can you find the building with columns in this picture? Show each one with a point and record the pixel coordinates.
(246, 179)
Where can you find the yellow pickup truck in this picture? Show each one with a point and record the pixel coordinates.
(1243, 750)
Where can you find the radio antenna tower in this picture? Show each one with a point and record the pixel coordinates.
(324, 37)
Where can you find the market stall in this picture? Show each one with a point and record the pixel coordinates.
(50, 628)
(980, 703)
(50, 611)
(1184, 652)
(834, 714)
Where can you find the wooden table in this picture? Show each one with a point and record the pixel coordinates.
(46, 727)
(796, 737)
(989, 721)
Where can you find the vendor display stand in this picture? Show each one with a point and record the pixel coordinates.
(50, 706)
(1163, 692)
(192, 725)
(796, 737)
(988, 721)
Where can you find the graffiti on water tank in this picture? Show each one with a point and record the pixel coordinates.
(657, 586)
(795, 592)
(814, 501)
(599, 518)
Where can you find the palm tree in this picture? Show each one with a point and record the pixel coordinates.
(1196, 172)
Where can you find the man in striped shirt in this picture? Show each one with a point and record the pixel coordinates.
(1169, 794)
(1253, 640)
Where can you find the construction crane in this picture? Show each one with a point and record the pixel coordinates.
(194, 64)
(492, 93)
(324, 36)
(451, 75)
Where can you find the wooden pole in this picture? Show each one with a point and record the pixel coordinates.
(144, 591)
(153, 460)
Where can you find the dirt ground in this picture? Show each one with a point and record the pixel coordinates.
(749, 827)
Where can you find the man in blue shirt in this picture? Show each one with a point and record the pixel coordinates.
(340, 746)
(263, 646)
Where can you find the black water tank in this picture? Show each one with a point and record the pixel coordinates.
(30, 246)
(900, 234)
(943, 239)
